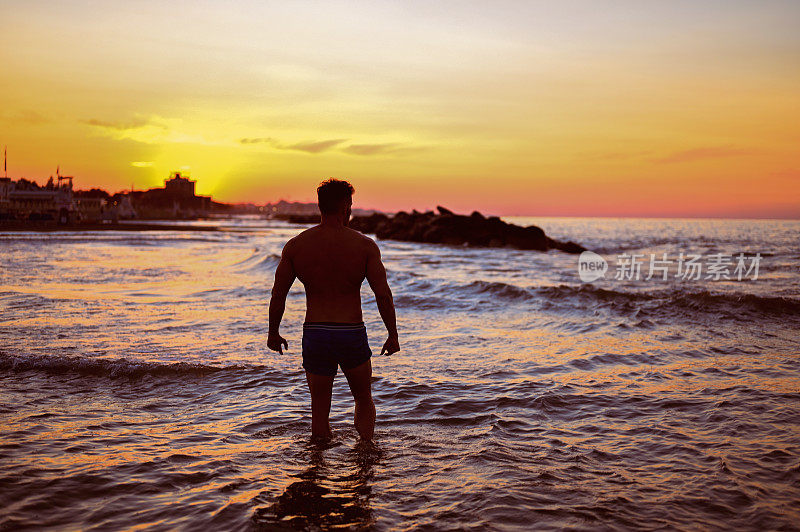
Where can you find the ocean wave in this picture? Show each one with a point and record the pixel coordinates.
(424, 303)
(589, 297)
(702, 300)
(259, 260)
(501, 290)
(114, 368)
(126, 238)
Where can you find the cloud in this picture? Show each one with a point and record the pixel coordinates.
(26, 116)
(121, 126)
(142, 164)
(316, 146)
(381, 149)
(151, 130)
(696, 154)
(257, 140)
(371, 149)
(319, 146)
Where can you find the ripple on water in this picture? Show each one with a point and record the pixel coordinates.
(522, 398)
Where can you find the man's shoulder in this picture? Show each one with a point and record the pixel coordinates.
(304, 235)
(297, 241)
(364, 242)
(359, 236)
(313, 233)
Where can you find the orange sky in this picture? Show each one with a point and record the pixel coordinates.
(590, 108)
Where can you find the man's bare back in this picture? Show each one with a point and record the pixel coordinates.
(332, 261)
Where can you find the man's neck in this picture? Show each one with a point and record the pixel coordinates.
(334, 221)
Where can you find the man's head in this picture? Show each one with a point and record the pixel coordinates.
(335, 197)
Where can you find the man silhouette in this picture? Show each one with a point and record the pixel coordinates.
(332, 261)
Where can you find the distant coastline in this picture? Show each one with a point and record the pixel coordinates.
(26, 205)
(124, 226)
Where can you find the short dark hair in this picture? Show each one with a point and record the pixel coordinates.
(332, 194)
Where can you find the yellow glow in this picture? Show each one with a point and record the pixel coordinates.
(528, 110)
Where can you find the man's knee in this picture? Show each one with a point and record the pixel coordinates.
(363, 400)
(362, 391)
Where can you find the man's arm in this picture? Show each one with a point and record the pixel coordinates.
(284, 277)
(376, 277)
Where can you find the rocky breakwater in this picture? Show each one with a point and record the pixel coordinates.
(446, 227)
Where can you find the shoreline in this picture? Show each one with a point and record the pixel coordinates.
(46, 228)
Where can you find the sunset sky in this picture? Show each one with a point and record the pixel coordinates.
(581, 108)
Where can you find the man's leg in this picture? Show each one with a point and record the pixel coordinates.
(321, 387)
(360, 380)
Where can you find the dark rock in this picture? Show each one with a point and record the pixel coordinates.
(368, 224)
(455, 229)
(570, 247)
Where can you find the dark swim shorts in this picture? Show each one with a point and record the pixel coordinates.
(327, 345)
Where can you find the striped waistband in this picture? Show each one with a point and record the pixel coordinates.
(334, 326)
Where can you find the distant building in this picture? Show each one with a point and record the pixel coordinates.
(176, 200)
(25, 200)
(91, 209)
(124, 208)
(284, 207)
(179, 185)
(5, 188)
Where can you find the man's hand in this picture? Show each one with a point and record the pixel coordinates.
(274, 342)
(391, 346)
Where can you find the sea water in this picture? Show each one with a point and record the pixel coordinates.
(137, 389)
